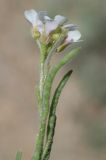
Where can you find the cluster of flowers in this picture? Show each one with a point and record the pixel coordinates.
(46, 29)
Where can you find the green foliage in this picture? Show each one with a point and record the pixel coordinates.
(46, 101)
(52, 116)
(58, 92)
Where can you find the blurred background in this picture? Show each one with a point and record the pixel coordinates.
(81, 125)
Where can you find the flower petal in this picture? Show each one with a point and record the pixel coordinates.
(60, 20)
(40, 26)
(50, 26)
(70, 27)
(73, 36)
(31, 16)
(47, 18)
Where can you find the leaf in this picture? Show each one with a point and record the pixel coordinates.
(58, 92)
(19, 156)
(57, 95)
(47, 149)
(52, 116)
(51, 76)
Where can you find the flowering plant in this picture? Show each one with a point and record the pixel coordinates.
(52, 36)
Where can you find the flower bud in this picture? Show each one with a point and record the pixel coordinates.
(55, 36)
(36, 34)
(62, 47)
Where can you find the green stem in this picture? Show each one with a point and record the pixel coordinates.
(42, 73)
(41, 79)
(40, 137)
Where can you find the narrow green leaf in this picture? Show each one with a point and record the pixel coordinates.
(47, 149)
(19, 156)
(52, 116)
(51, 76)
(58, 92)
(57, 95)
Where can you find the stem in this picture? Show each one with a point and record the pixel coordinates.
(40, 137)
(41, 79)
(42, 48)
(41, 84)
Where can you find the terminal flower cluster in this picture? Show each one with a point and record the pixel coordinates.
(48, 30)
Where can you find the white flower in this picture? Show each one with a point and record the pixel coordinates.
(33, 17)
(41, 21)
(73, 36)
(60, 20)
